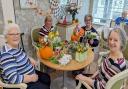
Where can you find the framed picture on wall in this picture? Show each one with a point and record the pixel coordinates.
(24, 4)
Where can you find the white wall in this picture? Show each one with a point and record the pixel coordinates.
(83, 11)
(8, 11)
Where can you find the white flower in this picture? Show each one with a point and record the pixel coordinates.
(45, 38)
(65, 59)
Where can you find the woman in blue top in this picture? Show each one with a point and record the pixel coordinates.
(92, 42)
(123, 19)
(89, 28)
(16, 66)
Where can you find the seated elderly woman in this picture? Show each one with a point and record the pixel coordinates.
(17, 66)
(112, 64)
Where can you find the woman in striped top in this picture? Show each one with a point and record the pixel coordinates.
(17, 67)
(46, 28)
(113, 63)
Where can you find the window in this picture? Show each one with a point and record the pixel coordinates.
(63, 2)
(105, 10)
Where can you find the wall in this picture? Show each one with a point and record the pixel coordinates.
(27, 19)
(8, 11)
(1, 18)
(83, 11)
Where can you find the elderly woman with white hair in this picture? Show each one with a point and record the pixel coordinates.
(113, 63)
(16, 66)
(123, 18)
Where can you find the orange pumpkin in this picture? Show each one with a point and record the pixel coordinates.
(81, 32)
(74, 37)
(46, 52)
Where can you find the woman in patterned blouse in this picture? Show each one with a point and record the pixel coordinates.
(113, 63)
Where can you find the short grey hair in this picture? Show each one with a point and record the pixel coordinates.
(9, 27)
(122, 34)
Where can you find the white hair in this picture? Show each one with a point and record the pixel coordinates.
(9, 27)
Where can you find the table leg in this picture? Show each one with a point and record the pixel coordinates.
(64, 76)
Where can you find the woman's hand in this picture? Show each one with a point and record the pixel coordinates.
(30, 78)
(80, 77)
(88, 80)
(34, 77)
(91, 41)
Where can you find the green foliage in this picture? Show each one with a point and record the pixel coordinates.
(91, 35)
(54, 60)
(77, 47)
(38, 45)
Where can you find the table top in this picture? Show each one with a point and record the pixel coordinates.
(73, 65)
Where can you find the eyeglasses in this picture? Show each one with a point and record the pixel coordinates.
(13, 34)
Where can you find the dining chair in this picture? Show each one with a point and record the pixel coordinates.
(35, 37)
(35, 42)
(2, 83)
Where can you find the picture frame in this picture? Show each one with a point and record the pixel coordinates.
(25, 5)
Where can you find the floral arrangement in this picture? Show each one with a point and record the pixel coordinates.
(77, 47)
(54, 39)
(91, 35)
(62, 60)
(73, 10)
(78, 51)
(81, 48)
(81, 53)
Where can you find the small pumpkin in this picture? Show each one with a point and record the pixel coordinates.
(74, 38)
(46, 52)
(81, 32)
(76, 35)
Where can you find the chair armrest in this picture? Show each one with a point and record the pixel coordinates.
(84, 83)
(118, 77)
(101, 54)
(21, 85)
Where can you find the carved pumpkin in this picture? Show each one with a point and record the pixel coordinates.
(46, 52)
(76, 36)
(81, 32)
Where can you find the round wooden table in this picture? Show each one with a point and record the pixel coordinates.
(73, 65)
